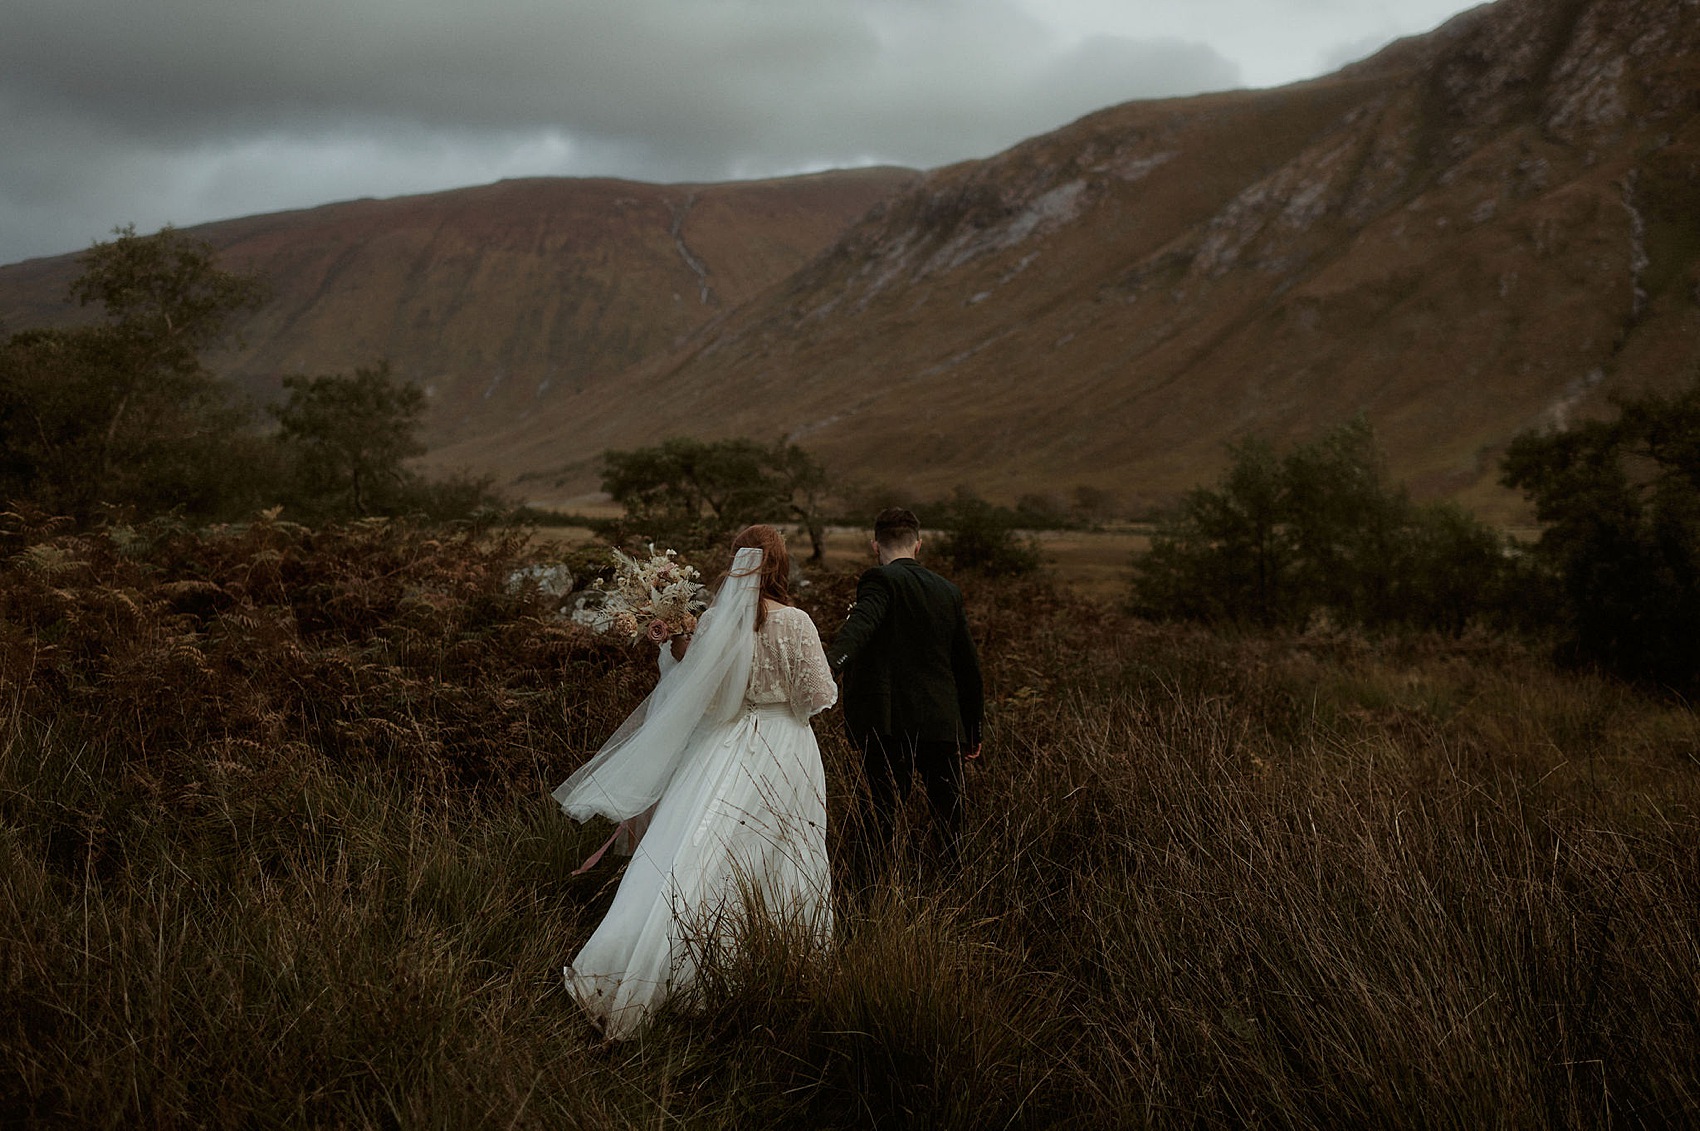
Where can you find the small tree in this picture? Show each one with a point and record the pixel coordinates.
(693, 491)
(164, 294)
(348, 438)
(1349, 526)
(1452, 566)
(805, 484)
(688, 481)
(1224, 554)
(1620, 503)
(124, 412)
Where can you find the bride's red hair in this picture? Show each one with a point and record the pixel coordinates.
(775, 568)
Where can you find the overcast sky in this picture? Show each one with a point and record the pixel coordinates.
(182, 111)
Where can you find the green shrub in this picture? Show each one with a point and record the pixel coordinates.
(1224, 555)
(123, 416)
(123, 412)
(1619, 501)
(980, 537)
(1281, 539)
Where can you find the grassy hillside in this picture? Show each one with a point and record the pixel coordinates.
(275, 848)
(500, 298)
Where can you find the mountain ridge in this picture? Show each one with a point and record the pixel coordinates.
(490, 296)
(1439, 238)
(1488, 228)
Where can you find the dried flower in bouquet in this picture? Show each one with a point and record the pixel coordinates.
(658, 597)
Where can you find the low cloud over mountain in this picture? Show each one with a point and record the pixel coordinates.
(177, 110)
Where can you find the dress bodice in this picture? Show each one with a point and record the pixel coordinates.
(790, 665)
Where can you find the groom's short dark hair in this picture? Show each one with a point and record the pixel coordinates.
(896, 526)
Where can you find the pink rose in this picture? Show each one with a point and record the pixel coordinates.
(659, 632)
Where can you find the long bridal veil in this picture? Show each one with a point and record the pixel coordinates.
(628, 774)
(723, 773)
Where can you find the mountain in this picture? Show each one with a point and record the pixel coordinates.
(1477, 231)
(496, 299)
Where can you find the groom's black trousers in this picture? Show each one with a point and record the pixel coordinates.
(891, 763)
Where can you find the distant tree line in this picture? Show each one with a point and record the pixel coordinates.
(686, 492)
(1281, 540)
(124, 413)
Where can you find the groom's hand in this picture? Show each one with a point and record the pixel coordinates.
(974, 753)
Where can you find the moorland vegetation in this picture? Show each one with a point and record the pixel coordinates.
(277, 849)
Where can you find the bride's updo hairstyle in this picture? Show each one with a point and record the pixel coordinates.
(775, 565)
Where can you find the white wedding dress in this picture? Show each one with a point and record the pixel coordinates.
(722, 763)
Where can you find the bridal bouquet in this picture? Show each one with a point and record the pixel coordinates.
(656, 597)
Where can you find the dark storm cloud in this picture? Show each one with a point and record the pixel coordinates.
(180, 110)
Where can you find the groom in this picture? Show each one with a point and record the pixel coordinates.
(912, 693)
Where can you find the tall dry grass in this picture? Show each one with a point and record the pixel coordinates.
(276, 851)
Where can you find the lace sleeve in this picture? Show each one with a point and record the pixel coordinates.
(808, 676)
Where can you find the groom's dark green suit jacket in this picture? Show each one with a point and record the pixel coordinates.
(910, 667)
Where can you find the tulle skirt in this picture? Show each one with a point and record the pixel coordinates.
(741, 825)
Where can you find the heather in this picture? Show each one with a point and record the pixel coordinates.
(278, 850)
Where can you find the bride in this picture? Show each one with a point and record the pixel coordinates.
(719, 776)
